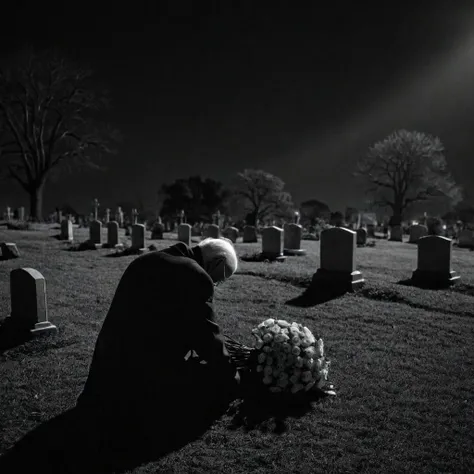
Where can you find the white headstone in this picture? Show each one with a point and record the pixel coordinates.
(292, 239)
(434, 261)
(184, 233)
(28, 301)
(417, 231)
(138, 236)
(21, 213)
(337, 253)
(66, 230)
(112, 233)
(272, 242)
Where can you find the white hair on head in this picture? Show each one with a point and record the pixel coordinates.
(215, 249)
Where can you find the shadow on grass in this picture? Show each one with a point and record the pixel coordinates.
(424, 285)
(316, 294)
(11, 335)
(267, 412)
(81, 440)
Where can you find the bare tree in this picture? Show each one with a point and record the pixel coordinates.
(406, 168)
(264, 195)
(47, 121)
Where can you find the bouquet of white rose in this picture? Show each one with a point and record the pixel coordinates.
(286, 358)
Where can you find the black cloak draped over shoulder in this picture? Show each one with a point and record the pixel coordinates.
(162, 308)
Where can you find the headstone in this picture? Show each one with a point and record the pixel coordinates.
(434, 262)
(29, 308)
(292, 239)
(231, 233)
(21, 213)
(396, 233)
(8, 214)
(466, 239)
(66, 230)
(107, 215)
(337, 253)
(213, 231)
(157, 230)
(95, 232)
(361, 236)
(272, 243)
(138, 237)
(371, 231)
(9, 251)
(59, 216)
(296, 217)
(184, 233)
(112, 234)
(417, 232)
(250, 234)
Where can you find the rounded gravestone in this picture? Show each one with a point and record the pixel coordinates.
(272, 243)
(292, 234)
(184, 233)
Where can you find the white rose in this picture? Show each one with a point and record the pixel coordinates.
(269, 322)
(267, 371)
(259, 368)
(309, 363)
(268, 337)
(269, 360)
(261, 358)
(256, 331)
(309, 352)
(320, 348)
(296, 350)
(294, 379)
(286, 347)
(267, 349)
(283, 383)
(282, 323)
(275, 329)
(267, 380)
(275, 389)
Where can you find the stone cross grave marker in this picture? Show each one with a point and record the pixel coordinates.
(107, 215)
(134, 216)
(96, 205)
(337, 254)
(184, 233)
(434, 262)
(292, 239)
(119, 216)
(29, 307)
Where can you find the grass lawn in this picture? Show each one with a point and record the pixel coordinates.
(402, 361)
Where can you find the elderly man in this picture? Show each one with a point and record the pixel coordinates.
(162, 309)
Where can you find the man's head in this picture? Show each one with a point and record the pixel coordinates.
(219, 258)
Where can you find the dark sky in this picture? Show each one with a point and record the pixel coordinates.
(297, 91)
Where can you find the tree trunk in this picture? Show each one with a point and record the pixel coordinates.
(36, 202)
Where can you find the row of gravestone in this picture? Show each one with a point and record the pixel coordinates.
(337, 254)
(274, 240)
(417, 231)
(337, 268)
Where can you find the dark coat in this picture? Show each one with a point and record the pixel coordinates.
(162, 309)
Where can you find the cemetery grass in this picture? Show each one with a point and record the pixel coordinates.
(402, 361)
